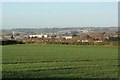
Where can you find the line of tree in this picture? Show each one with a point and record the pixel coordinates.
(10, 42)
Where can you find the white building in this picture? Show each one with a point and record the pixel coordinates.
(45, 36)
(85, 40)
(33, 36)
(38, 36)
(1, 38)
(98, 41)
(67, 37)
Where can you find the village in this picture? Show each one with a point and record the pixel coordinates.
(86, 36)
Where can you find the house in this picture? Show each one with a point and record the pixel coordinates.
(1, 38)
(67, 37)
(84, 40)
(45, 36)
(38, 36)
(7, 37)
(33, 36)
(98, 41)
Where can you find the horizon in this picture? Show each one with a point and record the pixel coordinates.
(59, 14)
(55, 27)
(62, 27)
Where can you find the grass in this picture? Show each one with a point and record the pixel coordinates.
(61, 61)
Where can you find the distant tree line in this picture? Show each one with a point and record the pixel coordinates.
(10, 42)
(114, 43)
(114, 39)
(110, 41)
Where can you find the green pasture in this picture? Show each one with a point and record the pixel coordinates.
(59, 61)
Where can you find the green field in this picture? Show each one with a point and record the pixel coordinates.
(61, 61)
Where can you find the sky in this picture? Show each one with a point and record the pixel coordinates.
(60, 0)
(59, 14)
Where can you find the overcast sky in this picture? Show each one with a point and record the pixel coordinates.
(59, 14)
